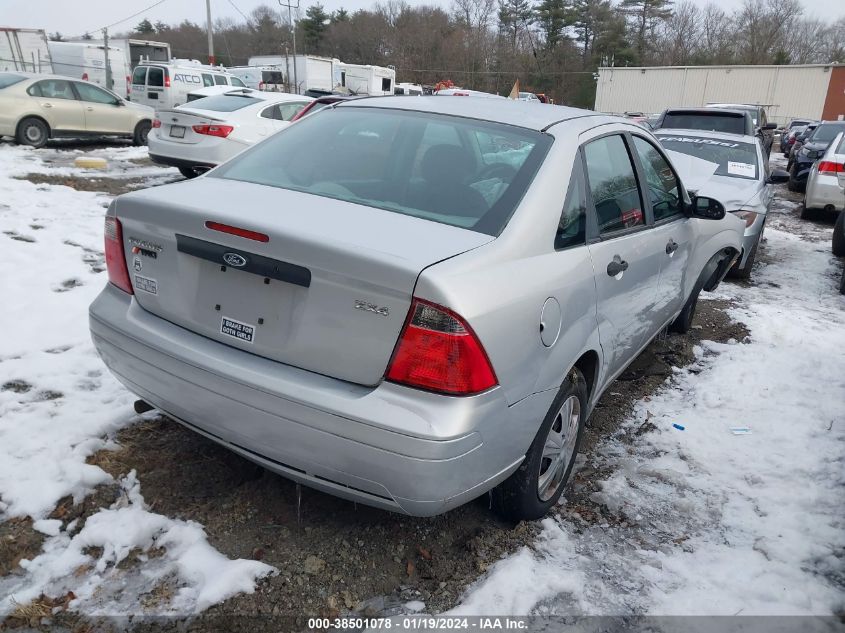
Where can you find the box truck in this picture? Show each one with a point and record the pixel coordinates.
(86, 60)
(302, 73)
(361, 79)
(25, 50)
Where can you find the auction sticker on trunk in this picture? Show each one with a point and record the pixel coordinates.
(241, 331)
(146, 284)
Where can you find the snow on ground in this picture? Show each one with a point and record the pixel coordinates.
(708, 521)
(58, 404)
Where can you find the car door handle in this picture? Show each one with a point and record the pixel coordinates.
(47, 105)
(617, 266)
(671, 247)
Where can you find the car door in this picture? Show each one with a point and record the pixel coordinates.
(155, 87)
(622, 250)
(101, 109)
(58, 104)
(672, 235)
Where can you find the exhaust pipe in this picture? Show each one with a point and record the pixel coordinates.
(142, 407)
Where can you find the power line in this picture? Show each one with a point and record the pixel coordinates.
(134, 15)
(239, 11)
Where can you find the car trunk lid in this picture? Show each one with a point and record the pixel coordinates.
(178, 125)
(328, 291)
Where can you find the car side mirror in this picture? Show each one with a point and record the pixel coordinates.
(778, 176)
(119, 103)
(770, 126)
(707, 208)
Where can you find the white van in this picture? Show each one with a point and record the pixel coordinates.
(268, 78)
(165, 86)
(85, 60)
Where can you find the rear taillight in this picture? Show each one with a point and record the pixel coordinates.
(214, 130)
(156, 123)
(115, 259)
(166, 79)
(84, 76)
(438, 351)
(829, 167)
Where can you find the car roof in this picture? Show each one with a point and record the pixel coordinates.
(535, 116)
(721, 136)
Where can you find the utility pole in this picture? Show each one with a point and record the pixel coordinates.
(109, 78)
(290, 5)
(211, 58)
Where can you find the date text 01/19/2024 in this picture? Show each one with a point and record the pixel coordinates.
(421, 622)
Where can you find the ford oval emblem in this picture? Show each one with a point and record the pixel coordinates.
(233, 259)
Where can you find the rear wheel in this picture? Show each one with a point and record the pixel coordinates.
(806, 214)
(792, 184)
(142, 130)
(33, 132)
(535, 487)
(842, 283)
(839, 235)
(188, 172)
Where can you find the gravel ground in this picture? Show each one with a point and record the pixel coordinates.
(335, 556)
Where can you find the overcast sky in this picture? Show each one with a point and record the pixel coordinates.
(75, 18)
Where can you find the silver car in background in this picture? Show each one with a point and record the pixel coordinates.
(732, 169)
(409, 301)
(826, 182)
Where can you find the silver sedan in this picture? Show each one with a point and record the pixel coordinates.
(733, 169)
(409, 301)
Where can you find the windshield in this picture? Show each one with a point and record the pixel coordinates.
(733, 159)
(224, 103)
(826, 132)
(457, 171)
(716, 122)
(10, 79)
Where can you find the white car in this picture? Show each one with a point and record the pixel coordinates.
(826, 182)
(204, 133)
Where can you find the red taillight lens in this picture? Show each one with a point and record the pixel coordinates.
(166, 79)
(829, 167)
(438, 351)
(214, 130)
(84, 76)
(156, 123)
(115, 260)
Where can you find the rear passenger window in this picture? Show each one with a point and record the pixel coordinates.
(155, 77)
(220, 80)
(270, 113)
(207, 80)
(289, 110)
(571, 230)
(662, 184)
(55, 89)
(139, 76)
(613, 185)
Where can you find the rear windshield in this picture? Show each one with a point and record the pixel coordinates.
(10, 79)
(716, 122)
(826, 132)
(737, 160)
(457, 171)
(224, 103)
(272, 77)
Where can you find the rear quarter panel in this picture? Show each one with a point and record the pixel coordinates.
(500, 288)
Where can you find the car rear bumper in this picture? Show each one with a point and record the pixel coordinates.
(209, 152)
(825, 191)
(388, 446)
(171, 161)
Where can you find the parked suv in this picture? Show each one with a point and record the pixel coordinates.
(35, 108)
(762, 128)
(409, 301)
(708, 119)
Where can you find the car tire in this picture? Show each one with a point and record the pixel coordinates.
(683, 322)
(745, 271)
(792, 183)
(842, 283)
(805, 213)
(142, 130)
(535, 487)
(839, 235)
(188, 172)
(33, 132)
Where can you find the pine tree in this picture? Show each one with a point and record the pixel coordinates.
(341, 15)
(646, 14)
(145, 27)
(553, 16)
(314, 26)
(514, 16)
